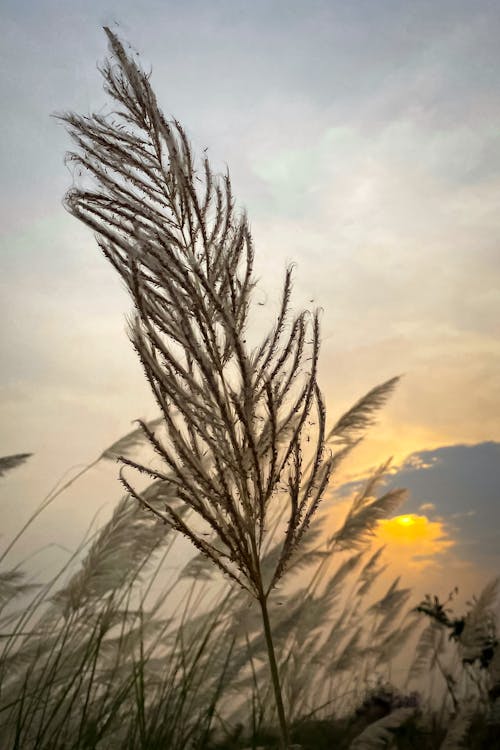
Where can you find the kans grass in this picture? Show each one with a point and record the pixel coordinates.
(96, 658)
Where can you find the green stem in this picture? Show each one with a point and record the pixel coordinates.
(285, 740)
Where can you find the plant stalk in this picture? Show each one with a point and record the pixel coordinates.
(285, 739)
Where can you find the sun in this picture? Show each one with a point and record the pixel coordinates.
(409, 527)
(414, 538)
(405, 520)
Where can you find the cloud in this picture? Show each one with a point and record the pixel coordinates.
(457, 487)
(446, 531)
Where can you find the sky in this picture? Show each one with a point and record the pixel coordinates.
(363, 139)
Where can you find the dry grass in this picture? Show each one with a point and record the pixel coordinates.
(95, 659)
(235, 418)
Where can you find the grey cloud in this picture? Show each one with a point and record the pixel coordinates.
(462, 483)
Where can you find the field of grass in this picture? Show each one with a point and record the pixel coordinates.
(101, 657)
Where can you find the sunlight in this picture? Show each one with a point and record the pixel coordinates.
(405, 520)
(415, 537)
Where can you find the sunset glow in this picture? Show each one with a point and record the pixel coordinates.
(414, 537)
(405, 520)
